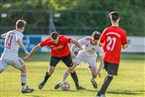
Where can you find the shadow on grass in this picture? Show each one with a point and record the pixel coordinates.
(63, 90)
(122, 92)
(127, 92)
(34, 95)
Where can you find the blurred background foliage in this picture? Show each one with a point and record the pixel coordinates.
(72, 17)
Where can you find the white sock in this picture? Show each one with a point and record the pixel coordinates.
(24, 88)
(66, 74)
(23, 81)
(23, 78)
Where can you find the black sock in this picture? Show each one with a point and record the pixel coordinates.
(23, 84)
(46, 77)
(75, 78)
(105, 85)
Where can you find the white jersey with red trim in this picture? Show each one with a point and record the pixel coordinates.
(88, 48)
(11, 45)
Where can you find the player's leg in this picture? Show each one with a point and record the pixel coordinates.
(1, 70)
(3, 65)
(51, 69)
(93, 77)
(19, 64)
(68, 62)
(92, 66)
(112, 71)
(66, 74)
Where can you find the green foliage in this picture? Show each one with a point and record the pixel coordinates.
(79, 17)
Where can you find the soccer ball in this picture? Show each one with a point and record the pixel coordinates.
(65, 86)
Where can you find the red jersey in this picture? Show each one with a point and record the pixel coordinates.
(60, 49)
(113, 38)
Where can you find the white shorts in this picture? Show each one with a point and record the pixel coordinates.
(4, 63)
(82, 57)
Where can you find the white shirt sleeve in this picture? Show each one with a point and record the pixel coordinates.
(81, 41)
(4, 35)
(19, 36)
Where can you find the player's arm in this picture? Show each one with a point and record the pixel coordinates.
(35, 49)
(22, 45)
(100, 67)
(73, 50)
(3, 35)
(76, 43)
(124, 42)
(100, 53)
(102, 38)
(100, 43)
(32, 51)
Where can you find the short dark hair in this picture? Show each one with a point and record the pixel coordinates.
(96, 35)
(20, 23)
(54, 35)
(114, 15)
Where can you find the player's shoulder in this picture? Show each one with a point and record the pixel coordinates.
(88, 38)
(109, 27)
(122, 30)
(47, 39)
(14, 33)
(17, 33)
(62, 36)
(11, 32)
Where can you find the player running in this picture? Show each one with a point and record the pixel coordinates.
(113, 39)
(13, 41)
(87, 54)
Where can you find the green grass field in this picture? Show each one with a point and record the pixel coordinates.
(130, 81)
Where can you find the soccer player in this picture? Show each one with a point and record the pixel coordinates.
(112, 40)
(87, 54)
(13, 41)
(59, 51)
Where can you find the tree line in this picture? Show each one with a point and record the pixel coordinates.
(72, 17)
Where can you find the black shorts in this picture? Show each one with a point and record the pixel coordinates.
(111, 68)
(67, 60)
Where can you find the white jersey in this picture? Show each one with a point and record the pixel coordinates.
(88, 48)
(11, 45)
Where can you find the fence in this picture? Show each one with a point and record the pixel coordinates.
(136, 44)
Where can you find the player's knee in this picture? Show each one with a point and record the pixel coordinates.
(94, 75)
(70, 70)
(23, 74)
(23, 69)
(1, 71)
(51, 71)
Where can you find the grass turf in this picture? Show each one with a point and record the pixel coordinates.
(129, 82)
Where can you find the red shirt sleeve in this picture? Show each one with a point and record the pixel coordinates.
(45, 42)
(103, 36)
(124, 39)
(66, 39)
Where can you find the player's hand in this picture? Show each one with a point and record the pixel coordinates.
(27, 53)
(26, 58)
(73, 56)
